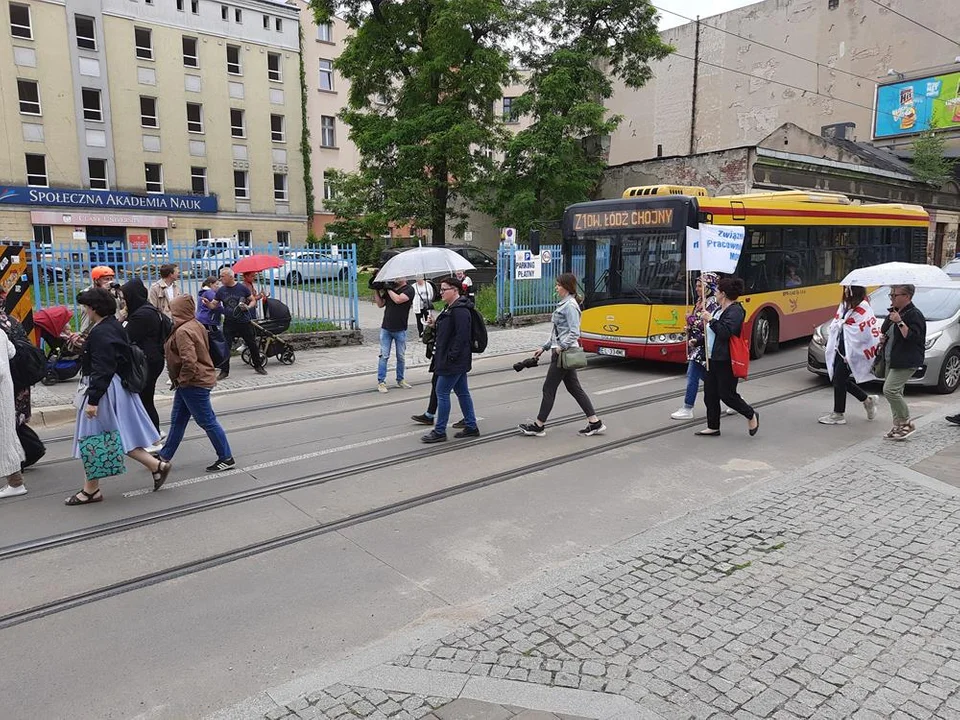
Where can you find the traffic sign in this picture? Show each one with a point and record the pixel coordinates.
(546, 257)
(509, 236)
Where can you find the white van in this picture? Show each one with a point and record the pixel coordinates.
(211, 255)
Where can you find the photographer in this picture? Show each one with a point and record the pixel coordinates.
(102, 277)
(396, 298)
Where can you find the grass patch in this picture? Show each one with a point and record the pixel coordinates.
(487, 303)
(339, 289)
(308, 326)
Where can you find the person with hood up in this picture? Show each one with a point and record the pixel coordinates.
(144, 327)
(852, 341)
(193, 375)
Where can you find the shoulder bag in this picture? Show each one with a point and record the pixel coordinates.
(572, 359)
(102, 455)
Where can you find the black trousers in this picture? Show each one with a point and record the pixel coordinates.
(556, 375)
(245, 332)
(149, 390)
(432, 405)
(720, 385)
(844, 383)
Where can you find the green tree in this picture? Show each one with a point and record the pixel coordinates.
(360, 212)
(929, 162)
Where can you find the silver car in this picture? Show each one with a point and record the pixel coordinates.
(941, 308)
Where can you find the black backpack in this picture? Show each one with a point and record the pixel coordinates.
(29, 365)
(166, 325)
(133, 369)
(478, 332)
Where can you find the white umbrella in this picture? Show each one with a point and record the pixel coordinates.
(899, 273)
(425, 261)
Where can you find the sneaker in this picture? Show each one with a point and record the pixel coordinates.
(595, 428)
(833, 419)
(155, 448)
(955, 419)
(422, 419)
(870, 406)
(531, 428)
(382, 387)
(460, 424)
(223, 375)
(730, 411)
(683, 413)
(11, 491)
(467, 433)
(261, 370)
(434, 437)
(163, 435)
(221, 465)
(404, 384)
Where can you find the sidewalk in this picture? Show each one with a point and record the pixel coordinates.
(832, 592)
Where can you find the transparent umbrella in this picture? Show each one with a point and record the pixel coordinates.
(899, 273)
(425, 261)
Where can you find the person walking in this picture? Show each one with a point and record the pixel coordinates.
(104, 405)
(396, 302)
(144, 327)
(429, 338)
(453, 360)
(238, 302)
(851, 346)
(33, 446)
(903, 339)
(565, 335)
(209, 312)
(193, 374)
(422, 302)
(720, 384)
(166, 289)
(12, 455)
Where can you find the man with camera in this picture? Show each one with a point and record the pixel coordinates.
(103, 277)
(396, 299)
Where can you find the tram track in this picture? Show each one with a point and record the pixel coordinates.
(104, 592)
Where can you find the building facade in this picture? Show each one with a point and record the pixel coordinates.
(135, 122)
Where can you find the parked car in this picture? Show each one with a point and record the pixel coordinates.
(941, 308)
(211, 255)
(485, 264)
(312, 265)
(952, 268)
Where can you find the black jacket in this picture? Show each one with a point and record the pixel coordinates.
(907, 352)
(143, 322)
(452, 355)
(105, 348)
(728, 324)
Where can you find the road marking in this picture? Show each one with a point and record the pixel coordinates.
(635, 385)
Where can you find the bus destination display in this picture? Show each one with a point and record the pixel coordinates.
(651, 217)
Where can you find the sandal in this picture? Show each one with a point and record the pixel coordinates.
(94, 497)
(160, 474)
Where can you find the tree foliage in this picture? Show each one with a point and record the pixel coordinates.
(929, 161)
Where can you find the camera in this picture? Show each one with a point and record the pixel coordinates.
(382, 286)
(114, 286)
(528, 363)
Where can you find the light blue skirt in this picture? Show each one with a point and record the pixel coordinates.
(120, 410)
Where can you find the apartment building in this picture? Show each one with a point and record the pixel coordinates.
(138, 121)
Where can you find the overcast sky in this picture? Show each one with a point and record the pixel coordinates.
(692, 8)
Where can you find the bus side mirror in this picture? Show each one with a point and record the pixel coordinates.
(534, 242)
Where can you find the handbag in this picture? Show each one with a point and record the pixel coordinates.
(572, 359)
(219, 349)
(739, 356)
(102, 455)
(880, 360)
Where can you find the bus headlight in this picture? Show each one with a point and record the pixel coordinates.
(666, 338)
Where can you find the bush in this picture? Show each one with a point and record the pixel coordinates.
(487, 303)
(369, 249)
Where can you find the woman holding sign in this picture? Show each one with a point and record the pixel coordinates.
(852, 342)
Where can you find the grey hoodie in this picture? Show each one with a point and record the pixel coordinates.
(566, 325)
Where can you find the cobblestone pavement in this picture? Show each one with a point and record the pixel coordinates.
(835, 594)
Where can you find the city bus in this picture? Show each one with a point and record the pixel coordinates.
(629, 256)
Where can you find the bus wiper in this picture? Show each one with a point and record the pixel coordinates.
(642, 295)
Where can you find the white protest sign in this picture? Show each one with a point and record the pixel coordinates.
(693, 249)
(719, 248)
(527, 265)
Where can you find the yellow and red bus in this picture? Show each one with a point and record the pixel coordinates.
(629, 255)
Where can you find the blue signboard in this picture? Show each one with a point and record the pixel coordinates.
(914, 106)
(106, 199)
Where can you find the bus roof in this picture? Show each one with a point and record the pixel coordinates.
(807, 207)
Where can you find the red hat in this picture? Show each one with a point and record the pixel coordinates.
(99, 271)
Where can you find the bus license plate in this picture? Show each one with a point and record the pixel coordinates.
(616, 352)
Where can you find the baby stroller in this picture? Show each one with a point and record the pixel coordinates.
(63, 362)
(267, 331)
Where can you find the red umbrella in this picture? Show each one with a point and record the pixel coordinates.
(257, 263)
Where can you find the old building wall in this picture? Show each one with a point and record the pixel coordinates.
(721, 173)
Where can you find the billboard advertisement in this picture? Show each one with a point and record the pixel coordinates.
(913, 106)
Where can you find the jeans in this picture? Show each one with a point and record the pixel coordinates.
(194, 402)
(458, 384)
(844, 383)
(695, 373)
(720, 385)
(556, 375)
(388, 337)
(893, 391)
(244, 331)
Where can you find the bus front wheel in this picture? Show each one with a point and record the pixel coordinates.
(763, 328)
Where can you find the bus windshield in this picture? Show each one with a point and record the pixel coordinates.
(639, 265)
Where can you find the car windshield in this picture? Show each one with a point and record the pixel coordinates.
(934, 303)
(952, 268)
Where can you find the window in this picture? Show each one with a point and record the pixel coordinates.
(194, 117)
(274, 67)
(266, 22)
(325, 32)
(224, 12)
(328, 186)
(158, 237)
(91, 104)
(86, 32)
(20, 21)
(326, 74)
(191, 56)
(148, 112)
(153, 173)
(283, 238)
(328, 131)
(280, 187)
(29, 92)
(238, 15)
(198, 180)
(277, 129)
(43, 235)
(509, 114)
(143, 39)
(180, 5)
(195, 7)
(98, 174)
(236, 123)
(833, 4)
(244, 238)
(37, 170)
(202, 234)
(241, 190)
(234, 66)
(279, 25)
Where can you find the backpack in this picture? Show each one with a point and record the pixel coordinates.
(478, 332)
(29, 365)
(166, 325)
(133, 369)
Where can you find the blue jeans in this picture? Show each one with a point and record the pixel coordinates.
(386, 338)
(458, 384)
(194, 402)
(695, 373)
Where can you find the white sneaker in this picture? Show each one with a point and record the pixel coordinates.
(155, 448)
(404, 384)
(833, 419)
(683, 413)
(870, 405)
(10, 491)
(382, 387)
(730, 411)
(163, 436)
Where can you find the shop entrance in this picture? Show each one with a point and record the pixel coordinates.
(106, 244)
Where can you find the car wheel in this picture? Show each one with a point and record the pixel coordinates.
(949, 373)
(763, 328)
(294, 278)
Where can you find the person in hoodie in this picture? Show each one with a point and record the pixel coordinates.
(193, 375)
(145, 329)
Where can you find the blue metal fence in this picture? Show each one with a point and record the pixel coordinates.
(317, 283)
(531, 297)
